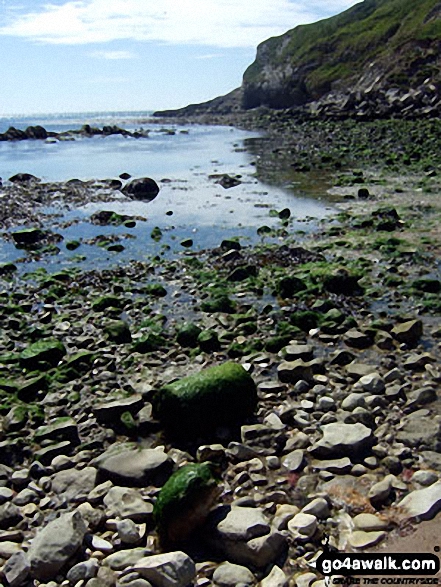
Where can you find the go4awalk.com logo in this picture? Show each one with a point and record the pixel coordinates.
(336, 563)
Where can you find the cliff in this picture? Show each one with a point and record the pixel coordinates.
(383, 52)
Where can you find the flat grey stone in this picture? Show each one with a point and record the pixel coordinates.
(137, 468)
(422, 504)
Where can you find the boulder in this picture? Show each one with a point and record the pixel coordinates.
(55, 544)
(221, 395)
(145, 189)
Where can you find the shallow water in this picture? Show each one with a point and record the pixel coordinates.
(181, 159)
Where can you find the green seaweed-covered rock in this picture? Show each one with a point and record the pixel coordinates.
(47, 351)
(221, 395)
(184, 502)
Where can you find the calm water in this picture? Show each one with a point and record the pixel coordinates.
(182, 155)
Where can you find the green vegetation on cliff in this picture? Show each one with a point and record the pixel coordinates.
(386, 43)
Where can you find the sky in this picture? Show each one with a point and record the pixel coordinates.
(128, 55)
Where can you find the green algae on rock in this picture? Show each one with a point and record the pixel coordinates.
(184, 501)
(49, 351)
(221, 395)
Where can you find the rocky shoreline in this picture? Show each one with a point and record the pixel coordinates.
(337, 337)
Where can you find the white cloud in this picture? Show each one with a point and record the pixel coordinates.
(114, 55)
(219, 23)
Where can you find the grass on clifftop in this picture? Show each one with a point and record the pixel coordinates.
(340, 46)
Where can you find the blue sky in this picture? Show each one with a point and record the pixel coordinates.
(87, 55)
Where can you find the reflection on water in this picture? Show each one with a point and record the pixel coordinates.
(190, 204)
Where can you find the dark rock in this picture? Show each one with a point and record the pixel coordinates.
(23, 178)
(141, 189)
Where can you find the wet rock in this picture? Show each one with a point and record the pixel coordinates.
(187, 335)
(135, 468)
(228, 181)
(172, 569)
(145, 189)
(55, 545)
(28, 236)
(220, 395)
(342, 282)
(341, 440)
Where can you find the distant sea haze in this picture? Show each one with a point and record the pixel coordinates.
(61, 121)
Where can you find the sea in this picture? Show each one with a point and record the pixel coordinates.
(182, 158)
